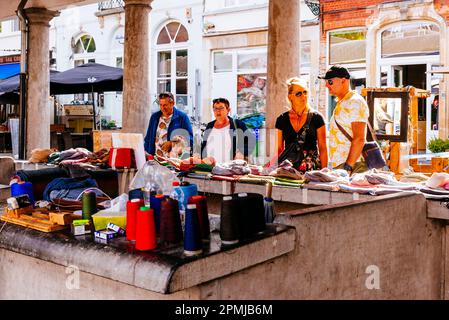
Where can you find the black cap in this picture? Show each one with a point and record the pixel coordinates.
(336, 72)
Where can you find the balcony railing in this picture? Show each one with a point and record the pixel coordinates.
(314, 6)
(111, 4)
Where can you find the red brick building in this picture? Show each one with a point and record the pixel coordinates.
(389, 43)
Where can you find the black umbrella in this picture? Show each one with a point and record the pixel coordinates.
(12, 84)
(89, 77)
(9, 98)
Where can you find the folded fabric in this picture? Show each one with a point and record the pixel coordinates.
(67, 184)
(199, 175)
(224, 178)
(434, 191)
(254, 179)
(286, 184)
(235, 167)
(438, 179)
(291, 173)
(410, 176)
(327, 175)
(322, 186)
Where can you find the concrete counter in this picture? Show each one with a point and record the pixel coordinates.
(165, 270)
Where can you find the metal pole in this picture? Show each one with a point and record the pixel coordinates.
(23, 77)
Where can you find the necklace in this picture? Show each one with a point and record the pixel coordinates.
(298, 118)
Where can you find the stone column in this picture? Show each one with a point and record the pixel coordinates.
(136, 73)
(283, 59)
(39, 111)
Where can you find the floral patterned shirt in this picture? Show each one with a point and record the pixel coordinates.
(352, 108)
(161, 135)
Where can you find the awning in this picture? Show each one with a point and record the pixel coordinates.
(9, 70)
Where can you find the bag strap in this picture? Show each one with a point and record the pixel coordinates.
(346, 134)
(305, 128)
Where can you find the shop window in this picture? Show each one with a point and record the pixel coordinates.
(347, 46)
(173, 64)
(411, 39)
(222, 61)
(305, 58)
(250, 61)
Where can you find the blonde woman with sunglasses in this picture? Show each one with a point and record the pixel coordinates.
(301, 128)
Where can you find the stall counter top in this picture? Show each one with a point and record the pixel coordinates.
(280, 193)
(164, 270)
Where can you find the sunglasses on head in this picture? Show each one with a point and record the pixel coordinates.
(166, 95)
(300, 93)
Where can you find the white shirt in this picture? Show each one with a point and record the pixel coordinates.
(219, 144)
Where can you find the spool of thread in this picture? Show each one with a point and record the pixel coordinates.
(155, 203)
(188, 190)
(203, 215)
(89, 204)
(229, 221)
(244, 215)
(171, 229)
(23, 187)
(145, 229)
(192, 235)
(135, 194)
(131, 211)
(257, 213)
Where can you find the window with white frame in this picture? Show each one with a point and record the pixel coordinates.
(15, 26)
(410, 39)
(83, 52)
(172, 64)
(347, 46)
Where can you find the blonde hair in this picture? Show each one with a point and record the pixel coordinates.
(298, 82)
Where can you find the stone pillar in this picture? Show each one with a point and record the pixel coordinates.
(136, 73)
(283, 59)
(39, 111)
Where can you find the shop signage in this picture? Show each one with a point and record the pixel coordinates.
(9, 59)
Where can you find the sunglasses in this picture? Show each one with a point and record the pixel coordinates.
(300, 93)
(166, 95)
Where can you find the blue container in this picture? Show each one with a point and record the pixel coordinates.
(184, 193)
(18, 189)
(192, 234)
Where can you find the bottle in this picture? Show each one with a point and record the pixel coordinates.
(147, 194)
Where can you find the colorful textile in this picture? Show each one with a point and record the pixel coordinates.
(235, 167)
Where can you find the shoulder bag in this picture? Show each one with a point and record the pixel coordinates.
(371, 151)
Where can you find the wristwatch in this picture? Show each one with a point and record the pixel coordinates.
(347, 167)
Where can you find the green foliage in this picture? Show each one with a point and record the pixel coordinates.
(105, 124)
(438, 145)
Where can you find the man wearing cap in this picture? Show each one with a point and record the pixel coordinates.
(351, 115)
(169, 132)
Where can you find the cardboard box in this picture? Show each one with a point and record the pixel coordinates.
(113, 227)
(106, 234)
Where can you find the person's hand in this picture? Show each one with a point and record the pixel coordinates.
(166, 146)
